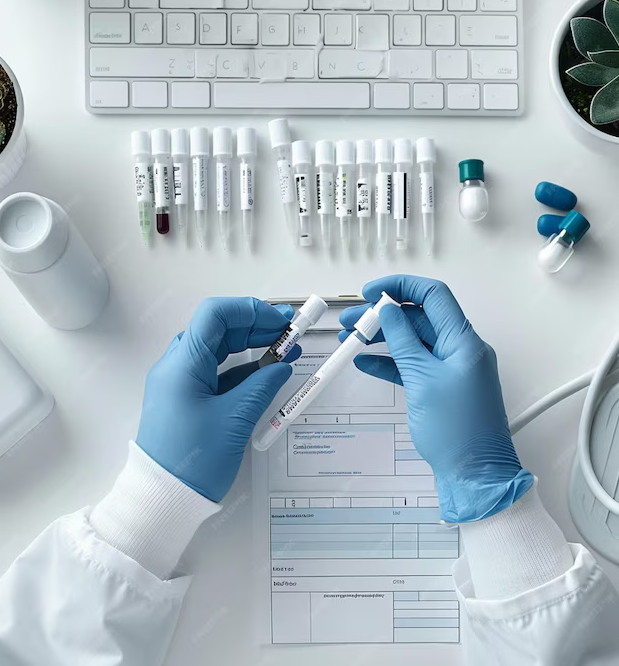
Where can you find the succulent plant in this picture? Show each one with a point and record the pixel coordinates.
(599, 43)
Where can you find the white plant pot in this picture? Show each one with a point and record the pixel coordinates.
(582, 130)
(14, 153)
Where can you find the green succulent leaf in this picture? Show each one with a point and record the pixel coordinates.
(605, 104)
(606, 58)
(611, 16)
(591, 35)
(592, 74)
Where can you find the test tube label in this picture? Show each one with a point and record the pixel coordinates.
(181, 183)
(284, 172)
(384, 193)
(324, 194)
(363, 198)
(223, 187)
(247, 187)
(343, 206)
(401, 196)
(162, 185)
(301, 180)
(427, 192)
(200, 171)
(144, 183)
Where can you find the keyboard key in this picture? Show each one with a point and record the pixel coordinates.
(244, 29)
(148, 28)
(462, 5)
(225, 63)
(498, 5)
(415, 64)
(149, 94)
(280, 4)
(406, 30)
(428, 96)
(452, 64)
(488, 31)
(392, 96)
(440, 30)
(109, 94)
(213, 29)
(280, 65)
(338, 29)
(373, 32)
(291, 95)
(501, 96)
(351, 64)
(181, 28)
(204, 4)
(144, 4)
(249, 63)
(463, 96)
(110, 28)
(142, 63)
(275, 30)
(391, 5)
(107, 4)
(491, 64)
(428, 5)
(306, 31)
(363, 5)
(191, 95)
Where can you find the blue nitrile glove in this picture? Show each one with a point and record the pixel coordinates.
(196, 424)
(456, 413)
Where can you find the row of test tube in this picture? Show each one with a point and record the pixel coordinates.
(345, 179)
(168, 163)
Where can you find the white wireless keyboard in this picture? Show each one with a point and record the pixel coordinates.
(322, 57)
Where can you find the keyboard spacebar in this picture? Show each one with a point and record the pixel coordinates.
(291, 95)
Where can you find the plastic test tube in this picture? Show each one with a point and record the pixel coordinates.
(403, 159)
(281, 143)
(200, 155)
(144, 181)
(302, 165)
(309, 314)
(325, 188)
(345, 158)
(162, 148)
(365, 185)
(222, 152)
(426, 158)
(384, 191)
(180, 158)
(366, 328)
(247, 149)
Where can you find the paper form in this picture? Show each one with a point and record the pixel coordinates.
(356, 550)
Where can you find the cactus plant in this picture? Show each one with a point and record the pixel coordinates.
(599, 43)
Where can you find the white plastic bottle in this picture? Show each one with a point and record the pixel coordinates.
(199, 155)
(281, 143)
(180, 161)
(247, 149)
(365, 187)
(473, 200)
(384, 191)
(344, 191)
(302, 164)
(426, 158)
(403, 159)
(325, 188)
(48, 261)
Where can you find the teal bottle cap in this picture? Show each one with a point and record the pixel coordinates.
(471, 170)
(576, 226)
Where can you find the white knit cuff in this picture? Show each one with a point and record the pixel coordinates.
(149, 515)
(516, 550)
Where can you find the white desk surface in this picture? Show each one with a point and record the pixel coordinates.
(546, 329)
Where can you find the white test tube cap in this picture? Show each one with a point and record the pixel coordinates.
(301, 153)
(325, 153)
(199, 142)
(403, 151)
(426, 150)
(162, 143)
(369, 324)
(279, 132)
(345, 152)
(222, 142)
(383, 151)
(365, 149)
(140, 143)
(313, 308)
(246, 142)
(180, 142)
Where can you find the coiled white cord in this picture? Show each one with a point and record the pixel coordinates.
(598, 381)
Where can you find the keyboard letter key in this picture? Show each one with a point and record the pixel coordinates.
(373, 32)
(349, 64)
(488, 31)
(406, 30)
(413, 64)
(463, 96)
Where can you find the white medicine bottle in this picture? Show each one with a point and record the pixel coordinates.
(49, 262)
(474, 202)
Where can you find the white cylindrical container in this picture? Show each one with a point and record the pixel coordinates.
(48, 261)
(12, 138)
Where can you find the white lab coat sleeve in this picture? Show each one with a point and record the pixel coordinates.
(528, 598)
(73, 598)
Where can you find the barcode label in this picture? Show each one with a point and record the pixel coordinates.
(181, 183)
(363, 198)
(301, 180)
(324, 194)
(384, 193)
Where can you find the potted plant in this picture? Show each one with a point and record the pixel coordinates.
(584, 70)
(12, 135)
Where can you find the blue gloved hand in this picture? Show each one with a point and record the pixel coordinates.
(455, 406)
(196, 424)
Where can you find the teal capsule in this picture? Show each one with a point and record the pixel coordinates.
(547, 225)
(555, 196)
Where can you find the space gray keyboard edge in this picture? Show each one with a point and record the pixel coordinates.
(147, 57)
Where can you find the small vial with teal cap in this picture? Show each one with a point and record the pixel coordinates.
(474, 202)
(559, 248)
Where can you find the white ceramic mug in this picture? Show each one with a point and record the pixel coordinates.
(14, 153)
